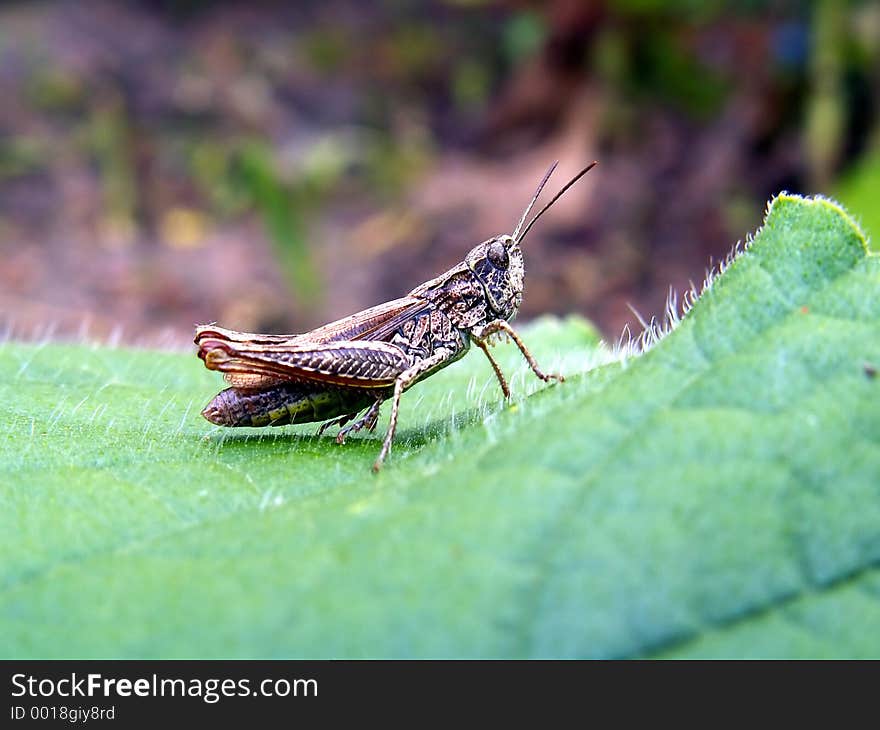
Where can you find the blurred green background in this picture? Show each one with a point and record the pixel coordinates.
(275, 165)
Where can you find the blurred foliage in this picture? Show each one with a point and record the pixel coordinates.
(108, 139)
(824, 127)
(215, 113)
(284, 208)
(21, 156)
(327, 50)
(662, 67)
(55, 88)
(858, 190)
(524, 34)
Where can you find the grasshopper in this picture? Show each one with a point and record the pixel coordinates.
(348, 368)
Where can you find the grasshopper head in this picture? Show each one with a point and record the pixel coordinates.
(498, 262)
(498, 265)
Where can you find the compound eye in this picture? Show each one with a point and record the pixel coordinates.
(497, 255)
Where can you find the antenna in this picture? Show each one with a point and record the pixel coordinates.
(534, 199)
(555, 198)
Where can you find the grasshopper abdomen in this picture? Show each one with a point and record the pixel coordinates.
(283, 404)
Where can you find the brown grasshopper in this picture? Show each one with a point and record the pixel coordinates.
(353, 365)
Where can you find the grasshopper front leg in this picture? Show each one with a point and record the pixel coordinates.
(480, 337)
(404, 381)
(502, 381)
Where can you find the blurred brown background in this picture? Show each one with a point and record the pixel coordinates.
(272, 166)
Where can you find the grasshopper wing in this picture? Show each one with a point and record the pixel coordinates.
(377, 323)
(351, 363)
(369, 324)
(252, 360)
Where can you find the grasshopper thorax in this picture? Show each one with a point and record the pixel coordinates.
(498, 266)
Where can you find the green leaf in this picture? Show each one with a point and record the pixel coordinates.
(716, 496)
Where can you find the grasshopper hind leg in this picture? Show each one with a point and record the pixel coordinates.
(368, 420)
(334, 422)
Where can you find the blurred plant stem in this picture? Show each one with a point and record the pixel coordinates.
(867, 29)
(286, 208)
(110, 141)
(825, 122)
